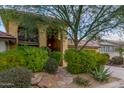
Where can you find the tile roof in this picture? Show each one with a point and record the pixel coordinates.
(5, 35)
(92, 44)
(112, 42)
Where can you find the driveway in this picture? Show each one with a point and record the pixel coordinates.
(117, 72)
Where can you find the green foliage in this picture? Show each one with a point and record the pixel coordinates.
(100, 74)
(117, 60)
(35, 58)
(24, 56)
(11, 59)
(83, 61)
(51, 66)
(81, 81)
(74, 61)
(106, 54)
(15, 78)
(56, 55)
(28, 19)
(101, 59)
(120, 51)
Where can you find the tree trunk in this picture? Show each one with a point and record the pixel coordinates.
(76, 44)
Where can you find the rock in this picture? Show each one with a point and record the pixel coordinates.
(36, 79)
(61, 79)
(47, 81)
(68, 80)
(62, 72)
(61, 83)
(35, 87)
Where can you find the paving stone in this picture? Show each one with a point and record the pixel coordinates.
(36, 79)
(61, 83)
(47, 81)
(68, 80)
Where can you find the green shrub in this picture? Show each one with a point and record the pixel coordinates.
(11, 59)
(102, 59)
(24, 56)
(107, 55)
(117, 60)
(51, 66)
(36, 58)
(81, 81)
(56, 55)
(83, 61)
(100, 74)
(15, 78)
(74, 61)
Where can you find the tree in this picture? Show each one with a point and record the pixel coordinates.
(85, 21)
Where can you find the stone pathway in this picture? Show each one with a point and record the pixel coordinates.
(117, 72)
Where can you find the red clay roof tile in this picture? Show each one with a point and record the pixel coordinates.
(5, 35)
(92, 44)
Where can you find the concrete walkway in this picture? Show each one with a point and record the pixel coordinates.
(117, 72)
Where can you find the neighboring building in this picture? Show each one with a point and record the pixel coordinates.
(103, 46)
(6, 41)
(92, 45)
(109, 46)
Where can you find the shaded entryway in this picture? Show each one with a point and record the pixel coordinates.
(53, 41)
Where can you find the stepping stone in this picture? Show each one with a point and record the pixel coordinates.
(61, 83)
(47, 81)
(68, 80)
(36, 79)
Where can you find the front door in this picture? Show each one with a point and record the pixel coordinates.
(53, 43)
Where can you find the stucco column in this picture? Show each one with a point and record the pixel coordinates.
(42, 34)
(12, 29)
(64, 46)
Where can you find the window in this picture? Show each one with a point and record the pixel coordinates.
(106, 49)
(25, 36)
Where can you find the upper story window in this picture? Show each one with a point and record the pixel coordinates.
(27, 37)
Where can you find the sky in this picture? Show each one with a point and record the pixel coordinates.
(109, 37)
(2, 28)
(114, 37)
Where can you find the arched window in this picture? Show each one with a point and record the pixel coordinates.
(27, 37)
